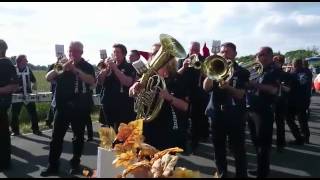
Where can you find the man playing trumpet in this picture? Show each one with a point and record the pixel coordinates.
(116, 76)
(73, 104)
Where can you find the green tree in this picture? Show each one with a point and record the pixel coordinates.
(301, 53)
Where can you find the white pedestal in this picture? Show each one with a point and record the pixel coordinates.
(105, 168)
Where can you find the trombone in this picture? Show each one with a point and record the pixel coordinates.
(217, 68)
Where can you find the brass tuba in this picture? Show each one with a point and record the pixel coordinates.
(217, 68)
(255, 68)
(148, 104)
(195, 62)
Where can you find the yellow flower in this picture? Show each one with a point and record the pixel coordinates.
(107, 135)
(124, 159)
(181, 172)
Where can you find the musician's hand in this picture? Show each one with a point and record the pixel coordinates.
(165, 95)
(105, 72)
(135, 89)
(68, 66)
(224, 84)
(186, 63)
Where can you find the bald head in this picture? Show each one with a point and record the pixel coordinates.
(265, 55)
(194, 48)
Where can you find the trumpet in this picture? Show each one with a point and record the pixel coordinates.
(58, 67)
(103, 64)
(195, 62)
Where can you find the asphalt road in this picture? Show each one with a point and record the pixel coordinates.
(30, 155)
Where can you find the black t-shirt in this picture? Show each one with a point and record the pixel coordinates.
(222, 99)
(116, 96)
(29, 78)
(160, 132)
(260, 100)
(8, 75)
(194, 79)
(301, 92)
(68, 91)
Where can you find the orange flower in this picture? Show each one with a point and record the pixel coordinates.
(124, 159)
(130, 136)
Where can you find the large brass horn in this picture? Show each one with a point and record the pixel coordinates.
(255, 68)
(148, 103)
(217, 68)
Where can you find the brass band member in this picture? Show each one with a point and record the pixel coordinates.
(168, 129)
(265, 91)
(281, 105)
(26, 77)
(198, 97)
(8, 84)
(73, 104)
(226, 108)
(299, 101)
(116, 78)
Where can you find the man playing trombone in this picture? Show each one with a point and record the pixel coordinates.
(227, 109)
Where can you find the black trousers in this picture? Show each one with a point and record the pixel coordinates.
(261, 134)
(89, 126)
(102, 120)
(62, 118)
(280, 115)
(301, 113)
(5, 141)
(231, 124)
(50, 115)
(199, 122)
(115, 116)
(31, 108)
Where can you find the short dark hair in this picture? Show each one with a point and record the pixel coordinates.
(134, 51)
(3, 45)
(122, 47)
(279, 58)
(20, 57)
(230, 45)
(298, 63)
(268, 49)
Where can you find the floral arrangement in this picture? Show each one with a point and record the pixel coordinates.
(139, 158)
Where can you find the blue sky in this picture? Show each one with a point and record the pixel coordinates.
(34, 28)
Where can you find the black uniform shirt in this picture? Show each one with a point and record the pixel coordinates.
(221, 99)
(8, 75)
(301, 92)
(66, 86)
(161, 132)
(29, 78)
(260, 100)
(113, 92)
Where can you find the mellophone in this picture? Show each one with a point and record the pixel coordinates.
(44, 97)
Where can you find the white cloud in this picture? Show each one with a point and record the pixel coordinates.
(34, 28)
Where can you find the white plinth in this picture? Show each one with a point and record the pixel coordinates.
(105, 168)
